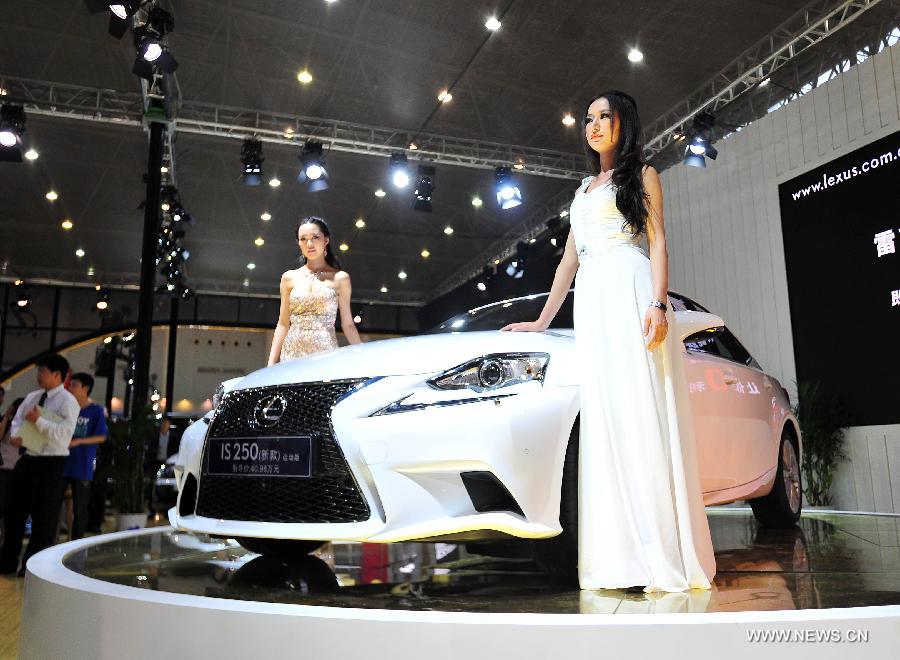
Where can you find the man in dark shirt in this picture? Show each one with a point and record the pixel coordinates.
(79, 472)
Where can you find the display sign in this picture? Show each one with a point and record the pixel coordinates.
(260, 457)
(841, 230)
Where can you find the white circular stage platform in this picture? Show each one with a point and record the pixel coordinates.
(829, 588)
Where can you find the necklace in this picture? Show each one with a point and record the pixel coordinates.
(316, 273)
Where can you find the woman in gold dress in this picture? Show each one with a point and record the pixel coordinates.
(311, 297)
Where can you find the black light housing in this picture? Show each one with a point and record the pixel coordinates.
(252, 158)
(424, 189)
(12, 127)
(23, 298)
(312, 167)
(516, 268)
(102, 299)
(508, 194)
(700, 147)
(119, 14)
(399, 170)
(148, 41)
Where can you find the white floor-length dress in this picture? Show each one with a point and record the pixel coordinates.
(641, 519)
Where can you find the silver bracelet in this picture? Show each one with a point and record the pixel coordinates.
(659, 304)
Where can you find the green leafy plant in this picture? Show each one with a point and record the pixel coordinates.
(128, 438)
(823, 420)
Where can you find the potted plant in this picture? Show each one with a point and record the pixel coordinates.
(129, 438)
(823, 420)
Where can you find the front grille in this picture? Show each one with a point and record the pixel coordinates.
(329, 495)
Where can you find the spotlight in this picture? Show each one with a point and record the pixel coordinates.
(102, 299)
(476, 202)
(313, 171)
(252, 158)
(699, 148)
(508, 194)
(487, 274)
(554, 227)
(516, 267)
(148, 41)
(23, 299)
(12, 126)
(120, 13)
(31, 154)
(492, 23)
(399, 170)
(424, 189)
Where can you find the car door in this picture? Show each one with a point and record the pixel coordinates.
(729, 404)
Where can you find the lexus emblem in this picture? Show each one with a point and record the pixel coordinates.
(268, 411)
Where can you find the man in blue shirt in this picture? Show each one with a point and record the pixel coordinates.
(89, 432)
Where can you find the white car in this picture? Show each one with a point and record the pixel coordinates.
(462, 434)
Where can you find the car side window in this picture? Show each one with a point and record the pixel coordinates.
(720, 342)
(703, 342)
(735, 349)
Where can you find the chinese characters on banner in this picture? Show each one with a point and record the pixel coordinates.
(884, 245)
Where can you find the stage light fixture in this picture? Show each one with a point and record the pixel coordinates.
(252, 158)
(448, 230)
(477, 202)
(23, 298)
(380, 193)
(120, 14)
(148, 40)
(31, 154)
(424, 189)
(12, 127)
(508, 194)
(516, 268)
(399, 170)
(699, 147)
(312, 171)
(384, 289)
(102, 299)
(492, 24)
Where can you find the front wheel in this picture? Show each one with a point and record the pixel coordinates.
(280, 548)
(781, 507)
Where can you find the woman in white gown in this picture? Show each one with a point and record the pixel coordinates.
(641, 521)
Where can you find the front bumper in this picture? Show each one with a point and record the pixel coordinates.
(407, 466)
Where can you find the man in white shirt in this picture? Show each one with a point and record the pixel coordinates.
(37, 483)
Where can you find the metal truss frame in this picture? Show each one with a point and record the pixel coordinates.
(755, 65)
(126, 108)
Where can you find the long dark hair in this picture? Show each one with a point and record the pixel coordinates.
(631, 198)
(330, 257)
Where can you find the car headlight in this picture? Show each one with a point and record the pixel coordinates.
(492, 372)
(217, 396)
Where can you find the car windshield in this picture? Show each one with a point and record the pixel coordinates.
(497, 315)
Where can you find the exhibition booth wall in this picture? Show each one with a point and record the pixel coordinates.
(727, 250)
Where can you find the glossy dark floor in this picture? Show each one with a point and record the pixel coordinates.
(829, 560)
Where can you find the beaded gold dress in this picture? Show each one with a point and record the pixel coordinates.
(313, 311)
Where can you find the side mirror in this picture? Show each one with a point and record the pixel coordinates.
(692, 322)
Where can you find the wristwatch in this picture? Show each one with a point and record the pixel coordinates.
(661, 305)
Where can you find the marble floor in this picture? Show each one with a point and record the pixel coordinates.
(829, 560)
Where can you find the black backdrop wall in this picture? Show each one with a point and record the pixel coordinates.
(841, 230)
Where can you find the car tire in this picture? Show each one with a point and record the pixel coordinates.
(559, 555)
(280, 548)
(783, 505)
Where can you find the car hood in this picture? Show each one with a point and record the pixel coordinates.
(405, 356)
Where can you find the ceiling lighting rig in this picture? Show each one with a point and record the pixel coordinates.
(312, 170)
(700, 147)
(252, 158)
(149, 24)
(12, 128)
(170, 251)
